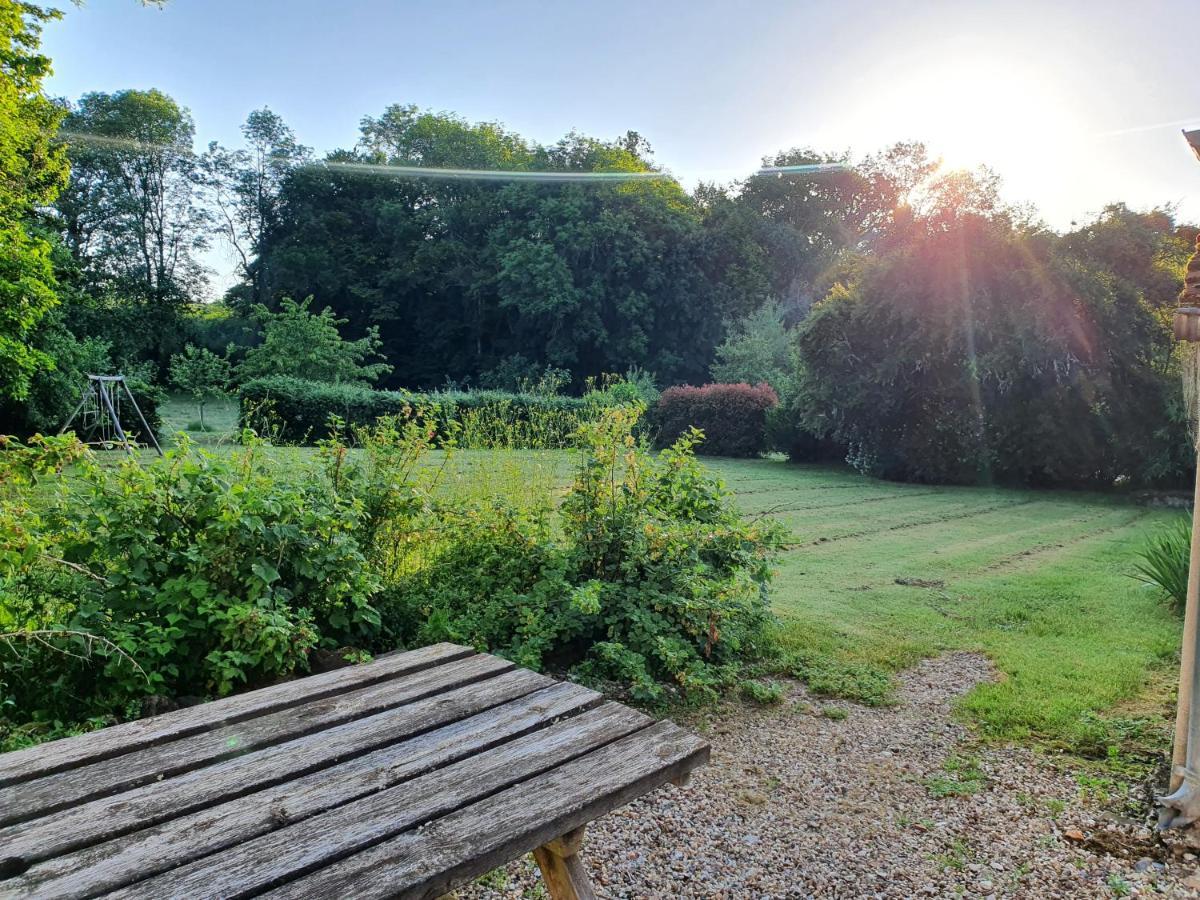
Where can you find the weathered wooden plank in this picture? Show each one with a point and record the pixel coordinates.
(109, 817)
(55, 756)
(280, 855)
(28, 800)
(110, 865)
(449, 851)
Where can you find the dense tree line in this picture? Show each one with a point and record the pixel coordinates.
(909, 320)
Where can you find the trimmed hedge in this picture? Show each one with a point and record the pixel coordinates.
(733, 417)
(293, 410)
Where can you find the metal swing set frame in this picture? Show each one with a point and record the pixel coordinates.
(99, 410)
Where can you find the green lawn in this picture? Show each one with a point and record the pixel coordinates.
(181, 413)
(1037, 580)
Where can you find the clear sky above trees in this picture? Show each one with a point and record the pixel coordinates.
(1042, 89)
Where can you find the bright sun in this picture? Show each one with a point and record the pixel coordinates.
(974, 110)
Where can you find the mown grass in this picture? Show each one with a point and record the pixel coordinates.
(880, 575)
(180, 413)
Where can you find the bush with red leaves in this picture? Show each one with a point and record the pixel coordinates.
(733, 417)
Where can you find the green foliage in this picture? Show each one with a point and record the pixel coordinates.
(488, 282)
(298, 411)
(831, 677)
(132, 218)
(731, 417)
(200, 373)
(1164, 560)
(203, 573)
(299, 344)
(757, 350)
(976, 351)
(963, 778)
(33, 169)
(764, 693)
(207, 572)
(646, 575)
(55, 392)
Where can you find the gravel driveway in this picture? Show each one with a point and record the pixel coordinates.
(820, 799)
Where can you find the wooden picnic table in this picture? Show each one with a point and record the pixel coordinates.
(406, 776)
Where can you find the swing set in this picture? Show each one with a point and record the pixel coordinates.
(99, 414)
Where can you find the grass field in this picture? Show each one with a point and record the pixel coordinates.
(878, 575)
(882, 574)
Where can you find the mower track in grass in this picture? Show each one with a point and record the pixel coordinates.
(1039, 581)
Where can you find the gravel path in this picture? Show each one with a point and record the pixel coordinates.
(820, 799)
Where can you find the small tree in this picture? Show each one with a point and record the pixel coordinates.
(200, 373)
(303, 345)
(757, 349)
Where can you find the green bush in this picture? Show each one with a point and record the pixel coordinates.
(195, 575)
(1164, 561)
(980, 354)
(649, 574)
(296, 411)
(204, 573)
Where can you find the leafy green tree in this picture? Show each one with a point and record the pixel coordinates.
(33, 169)
(462, 274)
(132, 215)
(298, 343)
(244, 186)
(202, 374)
(757, 349)
(979, 348)
(808, 219)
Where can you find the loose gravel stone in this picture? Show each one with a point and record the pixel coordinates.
(797, 804)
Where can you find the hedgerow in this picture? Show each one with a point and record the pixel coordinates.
(732, 417)
(297, 411)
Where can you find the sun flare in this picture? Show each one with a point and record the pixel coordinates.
(972, 110)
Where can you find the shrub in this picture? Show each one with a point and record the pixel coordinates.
(301, 344)
(207, 572)
(732, 417)
(296, 411)
(651, 575)
(1164, 561)
(203, 573)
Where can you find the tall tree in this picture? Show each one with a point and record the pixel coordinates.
(132, 214)
(824, 208)
(244, 186)
(33, 169)
(464, 273)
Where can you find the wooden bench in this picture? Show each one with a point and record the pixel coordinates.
(407, 776)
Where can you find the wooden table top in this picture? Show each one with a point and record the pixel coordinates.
(406, 776)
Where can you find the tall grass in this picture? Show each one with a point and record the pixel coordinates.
(1164, 561)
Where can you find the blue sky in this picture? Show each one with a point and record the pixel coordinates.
(1045, 91)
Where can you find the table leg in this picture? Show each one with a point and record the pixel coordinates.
(562, 868)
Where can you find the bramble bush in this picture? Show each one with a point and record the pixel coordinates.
(732, 417)
(206, 572)
(647, 575)
(197, 575)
